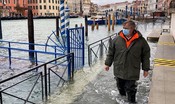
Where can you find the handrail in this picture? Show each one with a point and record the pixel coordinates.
(100, 44)
(33, 68)
(102, 39)
(27, 43)
(44, 74)
(11, 48)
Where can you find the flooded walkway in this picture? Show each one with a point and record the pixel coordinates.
(96, 86)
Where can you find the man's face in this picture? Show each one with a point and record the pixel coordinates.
(127, 26)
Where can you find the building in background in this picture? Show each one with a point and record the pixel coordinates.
(20, 7)
(104, 8)
(171, 7)
(152, 6)
(13, 8)
(80, 7)
(167, 6)
(88, 7)
(34, 6)
(48, 7)
(121, 6)
(74, 6)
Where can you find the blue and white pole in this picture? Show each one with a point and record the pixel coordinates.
(62, 15)
(67, 21)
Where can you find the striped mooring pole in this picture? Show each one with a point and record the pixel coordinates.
(62, 15)
(67, 21)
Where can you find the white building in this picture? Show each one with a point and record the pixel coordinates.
(122, 5)
(104, 8)
(48, 7)
(75, 6)
(87, 7)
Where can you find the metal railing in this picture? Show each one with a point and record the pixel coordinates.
(96, 49)
(13, 89)
(15, 49)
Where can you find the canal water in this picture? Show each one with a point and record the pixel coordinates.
(92, 85)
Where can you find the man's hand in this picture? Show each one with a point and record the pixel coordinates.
(106, 67)
(145, 73)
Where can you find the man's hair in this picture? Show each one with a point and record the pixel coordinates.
(131, 23)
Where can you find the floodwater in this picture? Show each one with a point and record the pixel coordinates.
(91, 85)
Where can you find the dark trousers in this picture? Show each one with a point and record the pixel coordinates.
(127, 87)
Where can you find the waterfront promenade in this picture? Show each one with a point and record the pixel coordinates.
(162, 87)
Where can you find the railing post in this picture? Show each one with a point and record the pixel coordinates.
(45, 80)
(42, 85)
(1, 98)
(36, 59)
(69, 66)
(89, 56)
(68, 56)
(101, 49)
(55, 54)
(83, 49)
(49, 80)
(72, 66)
(10, 61)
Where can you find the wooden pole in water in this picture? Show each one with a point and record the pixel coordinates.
(93, 25)
(86, 26)
(57, 26)
(76, 25)
(31, 35)
(0, 28)
(113, 22)
(97, 26)
(109, 24)
(81, 25)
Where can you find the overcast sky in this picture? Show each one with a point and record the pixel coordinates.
(102, 2)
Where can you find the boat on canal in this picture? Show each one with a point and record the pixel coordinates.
(98, 18)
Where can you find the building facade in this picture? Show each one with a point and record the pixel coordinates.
(88, 7)
(48, 7)
(20, 7)
(13, 8)
(74, 5)
(152, 5)
(82, 7)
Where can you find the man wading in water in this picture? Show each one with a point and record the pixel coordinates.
(128, 52)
